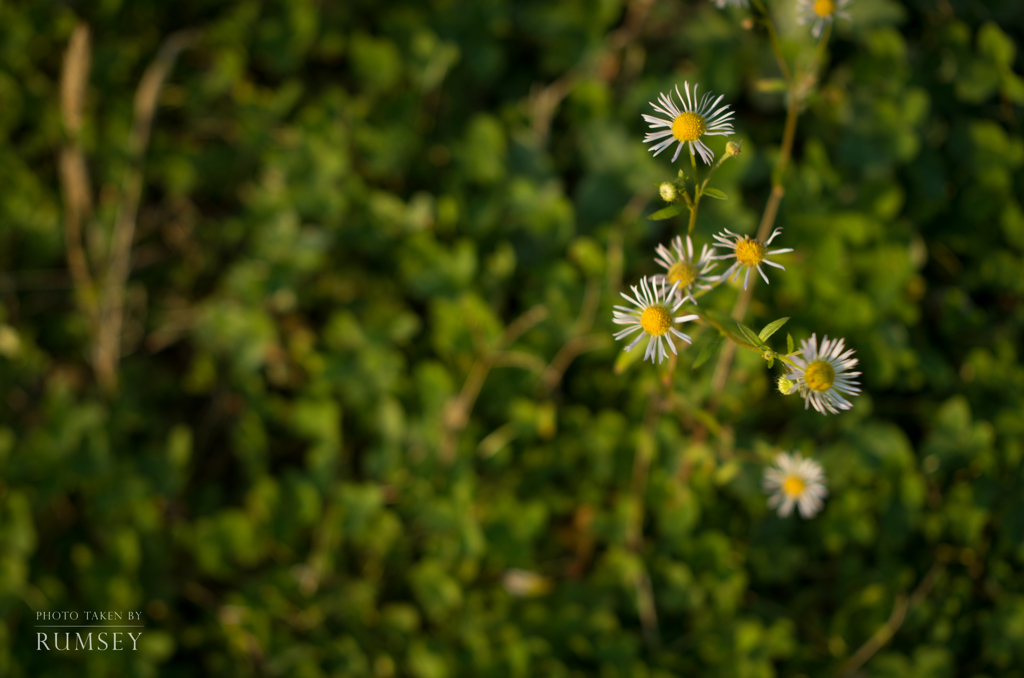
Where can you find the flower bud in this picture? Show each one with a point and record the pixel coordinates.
(785, 386)
(733, 148)
(668, 192)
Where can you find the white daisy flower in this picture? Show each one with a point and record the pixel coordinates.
(684, 273)
(821, 375)
(821, 12)
(795, 481)
(688, 122)
(722, 4)
(749, 253)
(654, 318)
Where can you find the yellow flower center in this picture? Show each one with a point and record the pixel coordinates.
(655, 320)
(688, 126)
(819, 376)
(749, 252)
(793, 486)
(682, 272)
(824, 8)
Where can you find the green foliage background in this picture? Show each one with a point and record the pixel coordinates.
(346, 204)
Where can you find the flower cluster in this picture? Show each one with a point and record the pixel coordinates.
(821, 377)
(822, 373)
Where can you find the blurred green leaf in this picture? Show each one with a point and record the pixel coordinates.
(710, 346)
(666, 213)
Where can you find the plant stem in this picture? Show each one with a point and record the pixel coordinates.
(458, 408)
(767, 221)
(696, 194)
(819, 54)
(645, 449)
(900, 610)
(773, 36)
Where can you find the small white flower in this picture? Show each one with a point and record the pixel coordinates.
(688, 122)
(749, 253)
(653, 317)
(795, 481)
(683, 272)
(525, 584)
(821, 375)
(722, 4)
(821, 12)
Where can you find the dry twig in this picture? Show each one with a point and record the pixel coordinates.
(900, 610)
(457, 410)
(73, 174)
(544, 101)
(104, 303)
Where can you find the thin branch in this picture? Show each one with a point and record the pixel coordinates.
(107, 348)
(645, 449)
(646, 610)
(776, 45)
(572, 349)
(520, 359)
(580, 342)
(544, 101)
(798, 87)
(522, 324)
(615, 257)
(457, 409)
(900, 610)
(771, 210)
(74, 176)
(75, 79)
(641, 466)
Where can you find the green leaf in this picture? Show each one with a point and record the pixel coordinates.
(749, 335)
(996, 45)
(627, 358)
(770, 85)
(707, 351)
(1013, 87)
(772, 327)
(714, 193)
(790, 348)
(666, 213)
